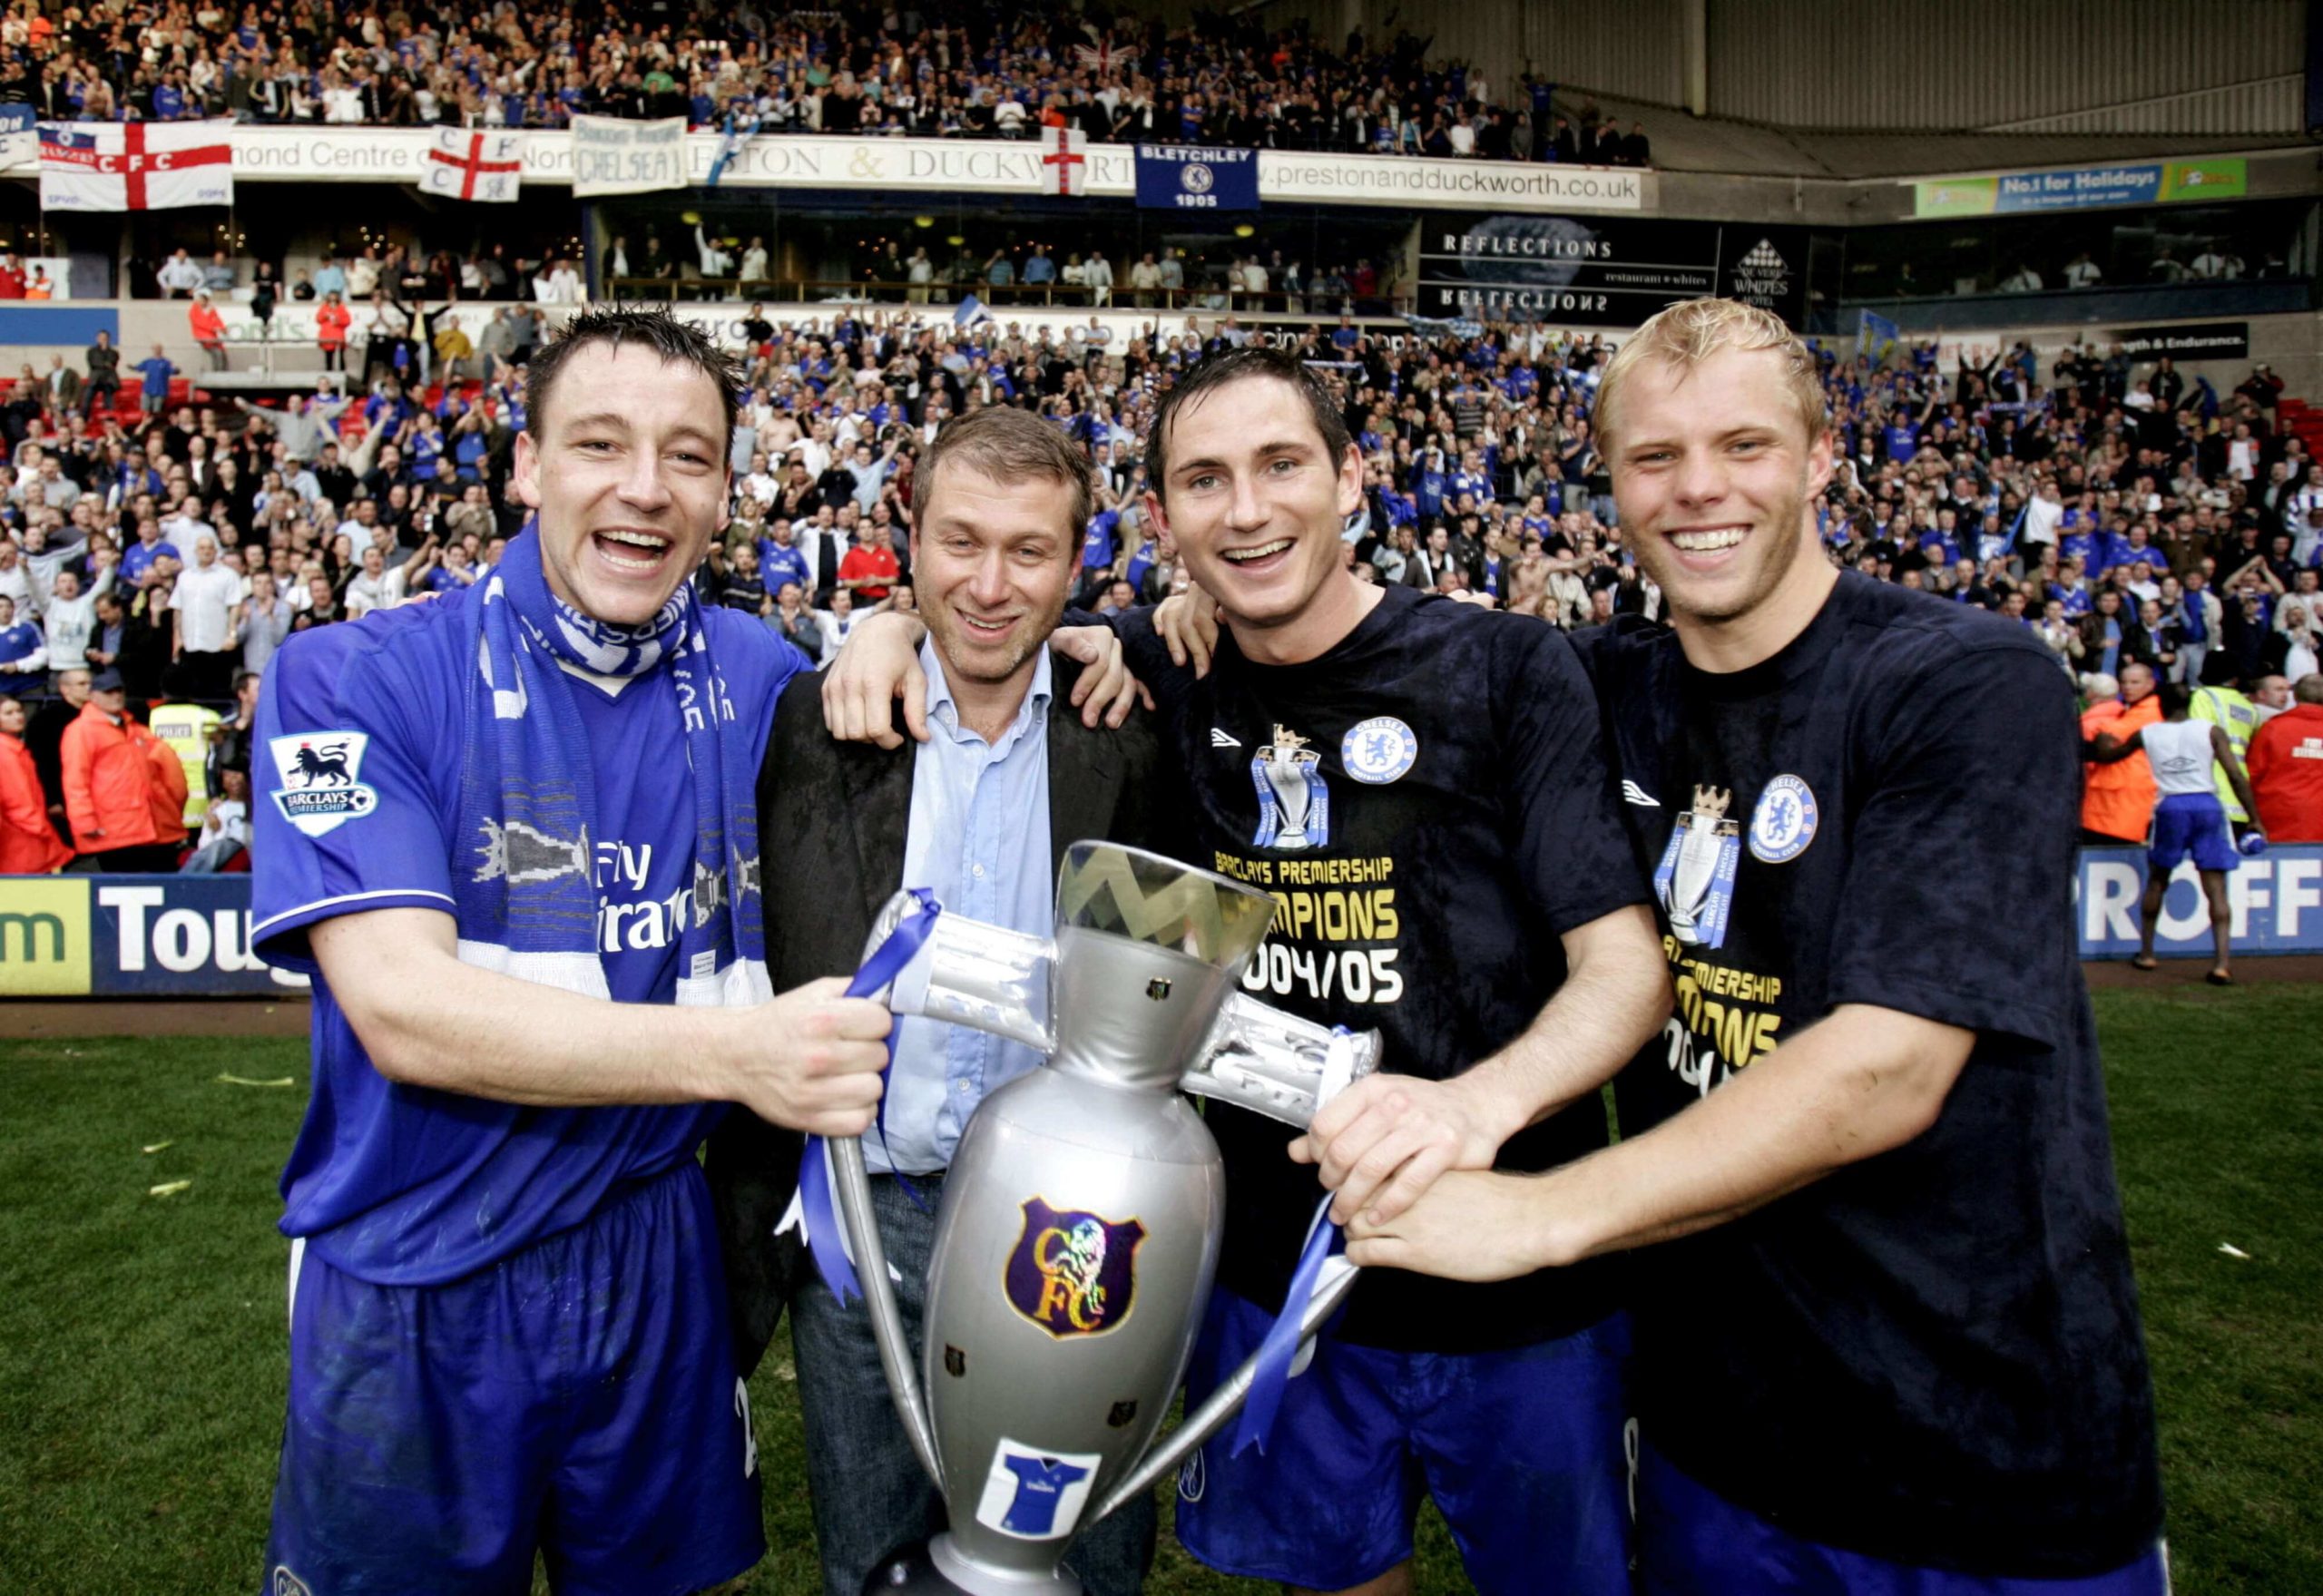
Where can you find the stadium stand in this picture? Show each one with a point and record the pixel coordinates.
(2032, 485)
(941, 70)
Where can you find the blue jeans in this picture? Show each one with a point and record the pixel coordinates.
(868, 1491)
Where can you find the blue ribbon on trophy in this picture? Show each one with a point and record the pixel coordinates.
(1281, 1345)
(818, 1215)
(1695, 879)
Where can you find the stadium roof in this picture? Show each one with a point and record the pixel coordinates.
(1683, 143)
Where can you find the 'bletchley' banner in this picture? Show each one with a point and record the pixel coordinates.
(1196, 177)
(131, 936)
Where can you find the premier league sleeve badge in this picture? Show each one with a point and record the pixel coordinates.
(1695, 880)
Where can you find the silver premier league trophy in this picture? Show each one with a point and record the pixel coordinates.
(1081, 1219)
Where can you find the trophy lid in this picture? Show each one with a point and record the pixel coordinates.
(1146, 898)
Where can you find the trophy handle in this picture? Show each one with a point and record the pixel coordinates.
(970, 974)
(853, 1190)
(1200, 1426)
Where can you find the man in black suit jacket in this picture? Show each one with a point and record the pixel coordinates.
(1002, 500)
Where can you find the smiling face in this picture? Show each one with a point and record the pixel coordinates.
(1255, 503)
(1714, 472)
(628, 471)
(994, 564)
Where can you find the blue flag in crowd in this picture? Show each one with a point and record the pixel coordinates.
(19, 135)
(1197, 177)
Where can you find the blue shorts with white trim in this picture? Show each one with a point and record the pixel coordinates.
(1521, 1450)
(578, 1399)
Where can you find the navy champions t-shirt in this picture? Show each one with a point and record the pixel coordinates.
(1428, 803)
(1932, 1356)
(404, 1185)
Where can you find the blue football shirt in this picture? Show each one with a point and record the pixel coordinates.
(360, 748)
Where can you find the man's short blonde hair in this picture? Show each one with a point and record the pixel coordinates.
(1687, 334)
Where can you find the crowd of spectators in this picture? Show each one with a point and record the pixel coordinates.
(2124, 516)
(931, 68)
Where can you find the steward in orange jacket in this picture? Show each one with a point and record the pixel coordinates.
(28, 843)
(2117, 800)
(111, 778)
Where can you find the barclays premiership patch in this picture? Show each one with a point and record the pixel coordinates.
(1378, 750)
(1073, 1273)
(321, 774)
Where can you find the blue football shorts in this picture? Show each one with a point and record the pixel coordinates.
(2192, 823)
(1692, 1542)
(1521, 1450)
(578, 1399)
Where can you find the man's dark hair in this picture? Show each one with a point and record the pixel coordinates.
(675, 341)
(1007, 445)
(1242, 365)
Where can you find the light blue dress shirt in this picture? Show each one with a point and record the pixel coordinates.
(979, 839)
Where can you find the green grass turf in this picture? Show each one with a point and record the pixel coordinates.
(142, 1338)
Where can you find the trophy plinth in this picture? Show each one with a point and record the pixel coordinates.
(934, 1567)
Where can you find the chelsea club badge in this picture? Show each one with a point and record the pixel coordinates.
(1784, 822)
(1378, 750)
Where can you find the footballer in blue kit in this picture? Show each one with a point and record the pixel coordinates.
(1886, 1338)
(511, 834)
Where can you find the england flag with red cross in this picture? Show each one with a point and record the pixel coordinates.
(135, 166)
(1065, 161)
(468, 165)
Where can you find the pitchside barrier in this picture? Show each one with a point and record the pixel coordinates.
(2276, 898)
(132, 936)
(190, 935)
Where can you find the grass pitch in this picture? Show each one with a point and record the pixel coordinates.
(143, 1342)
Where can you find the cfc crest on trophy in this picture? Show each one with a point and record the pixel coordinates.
(1081, 1218)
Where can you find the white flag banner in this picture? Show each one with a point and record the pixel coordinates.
(136, 165)
(467, 164)
(1065, 161)
(613, 155)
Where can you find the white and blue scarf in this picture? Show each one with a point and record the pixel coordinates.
(528, 905)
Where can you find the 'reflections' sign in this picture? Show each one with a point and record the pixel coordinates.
(972, 166)
(1603, 273)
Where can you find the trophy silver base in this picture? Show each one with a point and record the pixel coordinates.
(935, 1568)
